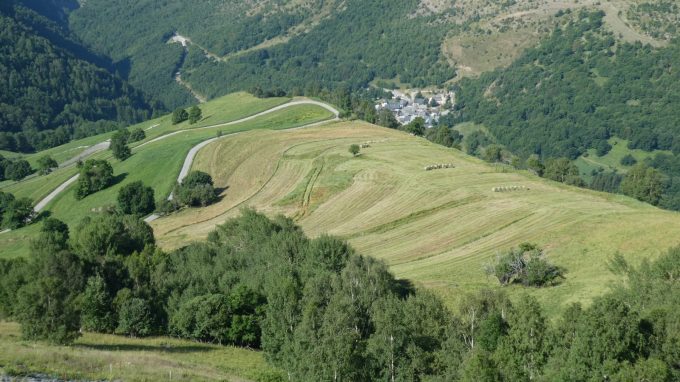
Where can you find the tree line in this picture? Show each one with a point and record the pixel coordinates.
(320, 311)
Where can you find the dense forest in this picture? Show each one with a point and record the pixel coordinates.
(51, 89)
(577, 89)
(322, 312)
(352, 43)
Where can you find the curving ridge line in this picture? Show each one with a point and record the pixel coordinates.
(192, 153)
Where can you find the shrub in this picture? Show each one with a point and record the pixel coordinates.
(136, 135)
(195, 114)
(136, 199)
(17, 169)
(525, 265)
(195, 190)
(179, 115)
(95, 175)
(119, 146)
(628, 160)
(46, 164)
(354, 150)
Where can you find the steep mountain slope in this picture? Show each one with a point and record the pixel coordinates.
(51, 90)
(576, 90)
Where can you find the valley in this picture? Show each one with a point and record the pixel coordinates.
(340, 190)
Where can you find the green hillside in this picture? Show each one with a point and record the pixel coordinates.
(157, 164)
(438, 228)
(52, 90)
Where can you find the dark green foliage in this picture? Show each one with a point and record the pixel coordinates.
(119, 147)
(179, 115)
(17, 169)
(195, 114)
(328, 58)
(233, 319)
(136, 135)
(321, 312)
(97, 310)
(628, 160)
(475, 141)
(526, 265)
(493, 153)
(195, 190)
(386, 118)
(47, 306)
(46, 164)
(95, 175)
(135, 318)
(16, 213)
(417, 127)
(110, 233)
(608, 182)
(136, 199)
(602, 147)
(52, 89)
(643, 183)
(562, 170)
(14, 274)
(354, 149)
(586, 89)
(535, 165)
(54, 234)
(445, 135)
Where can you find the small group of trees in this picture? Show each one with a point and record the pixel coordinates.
(525, 265)
(15, 213)
(195, 190)
(193, 115)
(95, 175)
(14, 169)
(46, 164)
(121, 139)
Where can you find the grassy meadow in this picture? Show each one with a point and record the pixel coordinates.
(438, 228)
(156, 164)
(612, 160)
(107, 357)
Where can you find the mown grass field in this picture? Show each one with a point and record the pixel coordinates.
(100, 357)
(156, 164)
(438, 228)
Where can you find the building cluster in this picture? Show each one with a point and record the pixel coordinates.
(410, 105)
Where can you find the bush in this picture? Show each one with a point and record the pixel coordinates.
(195, 114)
(525, 265)
(119, 146)
(46, 164)
(195, 190)
(17, 169)
(628, 160)
(136, 199)
(95, 175)
(136, 135)
(354, 150)
(179, 115)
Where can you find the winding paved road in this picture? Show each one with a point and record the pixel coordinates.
(192, 153)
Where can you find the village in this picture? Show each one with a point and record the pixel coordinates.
(411, 104)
